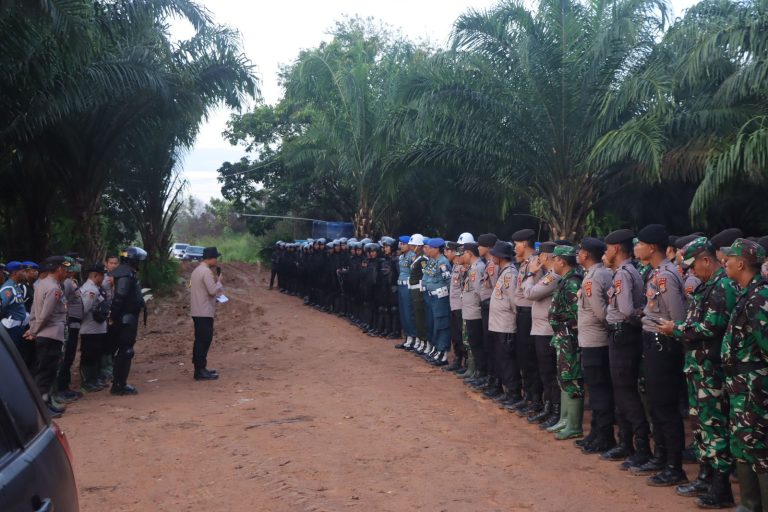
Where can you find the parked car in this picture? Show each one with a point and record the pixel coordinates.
(178, 250)
(193, 253)
(35, 459)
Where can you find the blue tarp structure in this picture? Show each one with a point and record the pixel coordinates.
(331, 230)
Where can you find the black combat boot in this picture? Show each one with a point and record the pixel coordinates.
(622, 450)
(542, 415)
(533, 407)
(523, 402)
(640, 457)
(508, 399)
(553, 418)
(700, 485)
(493, 389)
(602, 443)
(719, 494)
(672, 474)
(455, 365)
(587, 440)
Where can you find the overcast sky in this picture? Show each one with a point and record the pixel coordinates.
(273, 33)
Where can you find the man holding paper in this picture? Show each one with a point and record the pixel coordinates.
(206, 289)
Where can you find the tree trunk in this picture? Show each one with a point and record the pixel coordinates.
(364, 220)
(569, 202)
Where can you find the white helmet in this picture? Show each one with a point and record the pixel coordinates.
(465, 238)
(416, 239)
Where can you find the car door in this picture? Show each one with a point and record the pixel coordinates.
(35, 469)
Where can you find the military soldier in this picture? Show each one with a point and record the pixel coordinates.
(405, 306)
(663, 359)
(502, 322)
(701, 334)
(437, 278)
(563, 316)
(540, 283)
(593, 340)
(46, 328)
(525, 346)
(416, 242)
(625, 349)
(745, 362)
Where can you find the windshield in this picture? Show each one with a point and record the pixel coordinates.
(194, 249)
(180, 246)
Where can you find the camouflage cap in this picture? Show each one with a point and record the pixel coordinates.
(751, 252)
(693, 248)
(564, 250)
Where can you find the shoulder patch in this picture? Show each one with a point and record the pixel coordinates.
(617, 286)
(588, 288)
(548, 279)
(688, 290)
(8, 293)
(423, 264)
(662, 284)
(507, 279)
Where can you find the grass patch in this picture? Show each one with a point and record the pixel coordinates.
(243, 247)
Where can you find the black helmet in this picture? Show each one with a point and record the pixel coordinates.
(366, 241)
(134, 254)
(388, 241)
(371, 247)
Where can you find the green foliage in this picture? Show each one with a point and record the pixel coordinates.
(242, 247)
(161, 275)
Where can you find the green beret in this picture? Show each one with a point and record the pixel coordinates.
(564, 250)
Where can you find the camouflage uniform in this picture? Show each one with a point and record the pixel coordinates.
(701, 333)
(745, 361)
(563, 317)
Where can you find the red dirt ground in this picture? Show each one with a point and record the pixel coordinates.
(311, 415)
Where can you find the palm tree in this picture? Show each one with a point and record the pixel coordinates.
(705, 118)
(518, 105)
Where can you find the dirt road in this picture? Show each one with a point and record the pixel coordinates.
(310, 415)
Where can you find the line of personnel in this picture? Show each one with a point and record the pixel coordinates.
(636, 320)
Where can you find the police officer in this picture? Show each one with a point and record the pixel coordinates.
(93, 328)
(593, 341)
(472, 316)
(539, 285)
(525, 345)
(745, 363)
(563, 316)
(701, 333)
(437, 278)
(625, 349)
(455, 254)
(205, 287)
(46, 327)
(485, 243)
(74, 303)
(663, 359)
(275, 260)
(502, 322)
(127, 303)
(12, 311)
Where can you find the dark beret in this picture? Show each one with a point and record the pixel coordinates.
(52, 263)
(619, 236)
(764, 242)
(487, 240)
(726, 237)
(547, 247)
(654, 234)
(472, 247)
(672, 240)
(593, 245)
(523, 235)
(451, 246)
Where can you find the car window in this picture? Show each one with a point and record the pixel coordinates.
(6, 440)
(17, 397)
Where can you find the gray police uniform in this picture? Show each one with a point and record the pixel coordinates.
(472, 315)
(502, 324)
(593, 340)
(47, 325)
(625, 350)
(663, 358)
(540, 288)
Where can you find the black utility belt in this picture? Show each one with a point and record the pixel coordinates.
(656, 336)
(623, 326)
(524, 309)
(742, 368)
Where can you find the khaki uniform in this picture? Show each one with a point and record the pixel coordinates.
(204, 290)
(49, 314)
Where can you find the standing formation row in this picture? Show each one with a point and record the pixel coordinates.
(637, 321)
